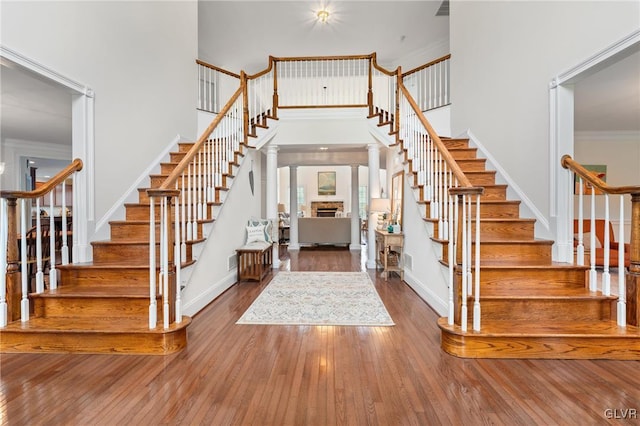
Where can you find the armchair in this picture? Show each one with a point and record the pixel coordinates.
(599, 249)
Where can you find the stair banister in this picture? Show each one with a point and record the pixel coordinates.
(197, 171)
(14, 279)
(629, 286)
(432, 83)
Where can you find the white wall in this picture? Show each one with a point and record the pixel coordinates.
(138, 57)
(620, 152)
(211, 275)
(504, 54)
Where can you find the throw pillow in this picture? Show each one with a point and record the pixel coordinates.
(586, 240)
(255, 234)
(266, 223)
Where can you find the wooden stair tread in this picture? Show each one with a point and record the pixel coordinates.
(591, 329)
(92, 325)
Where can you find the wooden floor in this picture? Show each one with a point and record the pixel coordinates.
(306, 375)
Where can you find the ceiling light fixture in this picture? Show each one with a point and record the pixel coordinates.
(323, 15)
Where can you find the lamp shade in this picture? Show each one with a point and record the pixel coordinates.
(281, 208)
(381, 205)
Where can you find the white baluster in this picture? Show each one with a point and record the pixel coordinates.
(606, 277)
(580, 254)
(476, 304)
(153, 308)
(39, 273)
(183, 223)
(593, 276)
(200, 86)
(189, 205)
(622, 302)
(53, 276)
(64, 251)
(469, 244)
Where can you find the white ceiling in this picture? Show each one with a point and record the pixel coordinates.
(240, 35)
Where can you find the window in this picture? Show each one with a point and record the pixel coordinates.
(300, 197)
(362, 201)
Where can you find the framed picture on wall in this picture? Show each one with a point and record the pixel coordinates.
(326, 183)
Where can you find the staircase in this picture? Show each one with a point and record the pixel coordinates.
(103, 307)
(531, 306)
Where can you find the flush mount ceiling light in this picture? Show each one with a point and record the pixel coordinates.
(323, 15)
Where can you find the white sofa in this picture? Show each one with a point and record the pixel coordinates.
(324, 230)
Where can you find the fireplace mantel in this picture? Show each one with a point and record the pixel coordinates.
(315, 205)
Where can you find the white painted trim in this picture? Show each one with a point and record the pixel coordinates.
(513, 186)
(561, 134)
(440, 306)
(596, 62)
(265, 135)
(83, 141)
(323, 113)
(131, 195)
(40, 69)
(214, 291)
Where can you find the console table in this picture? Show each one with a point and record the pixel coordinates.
(389, 252)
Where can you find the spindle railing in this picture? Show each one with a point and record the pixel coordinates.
(30, 242)
(429, 83)
(628, 284)
(384, 102)
(212, 83)
(182, 200)
(450, 197)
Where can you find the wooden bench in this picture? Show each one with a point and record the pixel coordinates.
(255, 260)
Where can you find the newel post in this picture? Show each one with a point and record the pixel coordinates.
(14, 281)
(245, 105)
(170, 247)
(632, 278)
(370, 91)
(275, 86)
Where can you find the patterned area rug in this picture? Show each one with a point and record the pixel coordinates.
(318, 298)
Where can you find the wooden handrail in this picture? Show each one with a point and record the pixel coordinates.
(213, 67)
(170, 181)
(570, 164)
(427, 65)
(321, 58)
(374, 62)
(263, 72)
(448, 158)
(75, 166)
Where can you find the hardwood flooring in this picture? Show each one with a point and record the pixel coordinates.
(305, 375)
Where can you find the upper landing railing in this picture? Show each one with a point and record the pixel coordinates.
(325, 82)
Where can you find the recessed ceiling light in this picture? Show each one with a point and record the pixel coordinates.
(324, 148)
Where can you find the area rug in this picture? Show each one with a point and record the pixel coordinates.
(318, 298)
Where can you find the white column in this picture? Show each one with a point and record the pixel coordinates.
(355, 217)
(293, 208)
(374, 192)
(272, 198)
